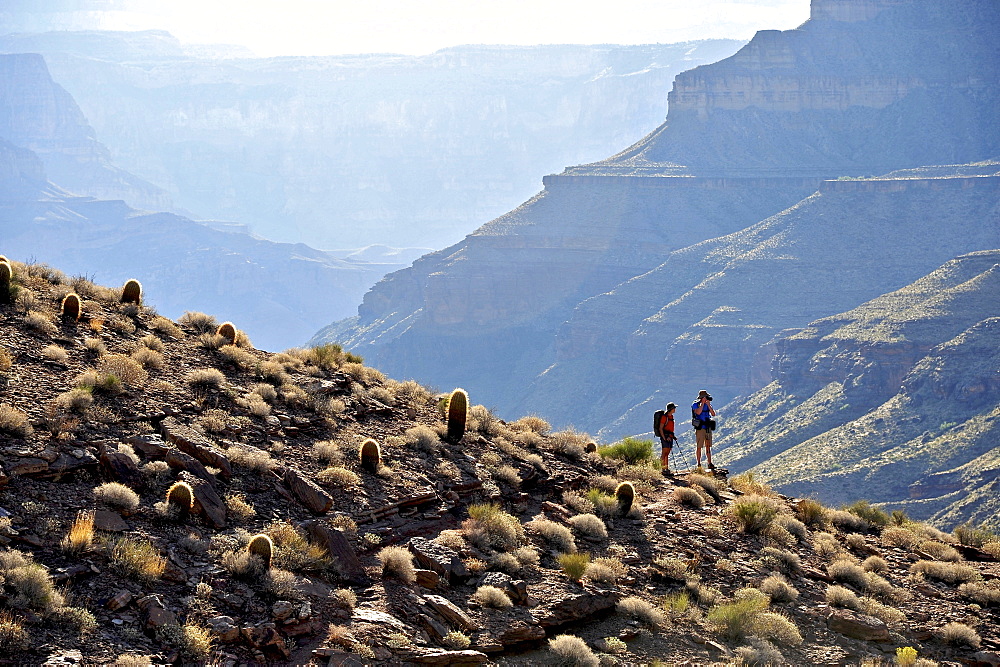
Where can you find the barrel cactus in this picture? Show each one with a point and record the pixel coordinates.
(625, 493)
(371, 455)
(71, 307)
(132, 292)
(227, 331)
(458, 412)
(262, 547)
(180, 496)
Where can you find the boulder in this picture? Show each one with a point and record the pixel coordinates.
(205, 497)
(308, 492)
(519, 631)
(224, 628)
(154, 613)
(454, 658)
(439, 558)
(109, 521)
(572, 607)
(428, 579)
(121, 468)
(338, 546)
(151, 445)
(197, 445)
(178, 460)
(267, 640)
(857, 626)
(447, 610)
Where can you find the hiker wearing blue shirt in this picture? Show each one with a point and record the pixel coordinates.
(701, 419)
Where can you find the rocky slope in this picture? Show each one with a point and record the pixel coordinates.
(897, 396)
(349, 151)
(100, 415)
(556, 294)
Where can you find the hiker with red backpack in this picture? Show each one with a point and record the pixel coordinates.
(701, 419)
(663, 428)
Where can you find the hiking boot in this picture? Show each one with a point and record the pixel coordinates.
(711, 466)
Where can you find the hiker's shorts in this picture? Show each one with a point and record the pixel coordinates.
(703, 436)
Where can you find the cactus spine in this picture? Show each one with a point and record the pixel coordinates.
(71, 307)
(132, 292)
(458, 412)
(227, 331)
(625, 493)
(181, 496)
(371, 455)
(262, 546)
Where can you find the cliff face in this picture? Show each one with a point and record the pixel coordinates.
(38, 114)
(640, 279)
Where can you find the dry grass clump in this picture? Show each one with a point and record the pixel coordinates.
(456, 640)
(148, 358)
(875, 564)
(950, 573)
(754, 513)
(398, 562)
(193, 642)
(734, 620)
(838, 596)
(14, 422)
(129, 371)
(641, 610)
(242, 564)
(137, 557)
(254, 404)
(776, 628)
(250, 457)
(81, 534)
(491, 596)
(960, 634)
(238, 507)
(709, 484)
(888, 615)
(165, 328)
(689, 497)
(117, 496)
(570, 443)
(574, 565)
(28, 583)
(282, 585)
(338, 476)
(13, 637)
(671, 568)
(555, 534)
(826, 544)
(577, 503)
(204, 379)
(846, 572)
(605, 571)
(985, 594)
(490, 527)
(759, 652)
(589, 525)
(508, 475)
(778, 589)
(366, 375)
(293, 551)
(792, 526)
(571, 650)
(848, 522)
(939, 551)
(6, 360)
(481, 420)
(75, 400)
(95, 346)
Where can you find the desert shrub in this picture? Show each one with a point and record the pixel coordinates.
(456, 640)
(165, 328)
(40, 323)
(137, 557)
(75, 400)
(506, 562)
(826, 544)
(294, 552)
(778, 589)
(973, 536)
(848, 522)
(555, 534)
(345, 598)
(527, 556)
(6, 359)
(793, 526)
(987, 595)
(671, 568)
(156, 469)
(888, 615)
(873, 515)
(571, 650)
(601, 572)
(838, 596)
(13, 637)
(748, 483)
(689, 497)
(129, 371)
(703, 594)
(490, 526)
(777, 628)
(232, 354)
(629, 450)
(250, 457)
(28, 583)
(531, 423)
(709, 484)
(328, 451)
(481, 420)
(255, 405)
(676, 603)
(199, 322)
(760, 652)
(590, 525)
(960, 634)
(55, 353)
(282, 585)
(117, 496)
(491, 596)
(238, 506)
(148, 358)
(855, 542)
(753, 513)
(423, 438)
(604, 504)
(338, 476)
(940, 551)
(604, 484)
(950, 573)
(398, 562)
(204, 379)
(734, 620)
(14, 422)
(846, 572)
(574, 565)
(897, 536)
(641, 610)
(193, 642)
(569, 442)
(577, 503)
(95, 346)
(875, 564)
(242, 564)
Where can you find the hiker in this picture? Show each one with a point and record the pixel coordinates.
(701, 419)
(664, 429)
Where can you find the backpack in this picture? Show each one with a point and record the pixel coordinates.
(657, 419)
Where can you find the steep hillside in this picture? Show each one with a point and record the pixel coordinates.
(898, 396)
(596, 292)
(349, 151)
(494, 542)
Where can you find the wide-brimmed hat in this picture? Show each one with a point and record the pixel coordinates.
(702, 393)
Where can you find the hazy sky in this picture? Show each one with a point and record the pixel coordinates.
(317, 27)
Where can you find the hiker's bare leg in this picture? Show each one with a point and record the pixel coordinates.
(699, 440)
(708, 447)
